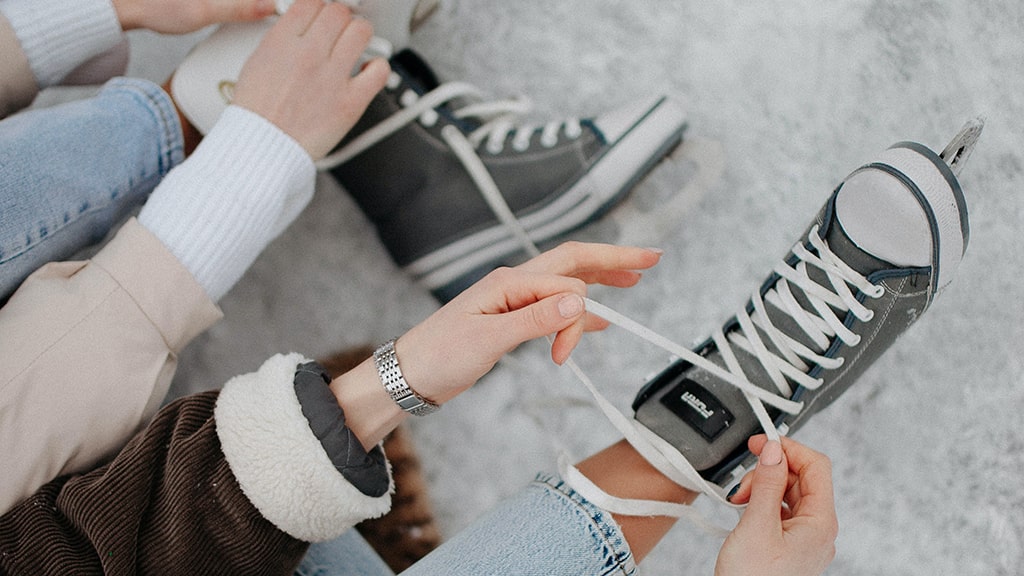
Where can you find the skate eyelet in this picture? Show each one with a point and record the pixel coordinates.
(429, 118)
(521, 141)
(408, 98)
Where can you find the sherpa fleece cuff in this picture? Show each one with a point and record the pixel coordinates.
(57, 36)
(278, 461)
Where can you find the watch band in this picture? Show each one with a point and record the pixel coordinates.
(391, 377)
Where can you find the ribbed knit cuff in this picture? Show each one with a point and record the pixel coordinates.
(57, 36)
(245, 183)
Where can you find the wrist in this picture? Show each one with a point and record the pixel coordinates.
(57, 37)
(369, 410)
(127, 14)
(385, 358)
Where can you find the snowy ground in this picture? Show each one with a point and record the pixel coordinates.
(784, 99)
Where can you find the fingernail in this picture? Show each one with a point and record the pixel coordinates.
(657, 251)
(771, 454)
(732, 492)
(570, 306)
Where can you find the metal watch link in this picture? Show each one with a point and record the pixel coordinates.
(391, 377)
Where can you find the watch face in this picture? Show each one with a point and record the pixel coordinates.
(698, 408)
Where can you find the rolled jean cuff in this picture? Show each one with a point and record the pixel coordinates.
(545, 528)
(606, 535)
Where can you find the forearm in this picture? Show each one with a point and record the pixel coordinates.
(369, 411)
(17, 83)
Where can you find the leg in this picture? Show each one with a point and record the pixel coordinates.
(70, 173)
(347, 555)
(620, 471)
(548, 528)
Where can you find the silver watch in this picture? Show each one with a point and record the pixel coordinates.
(391, 376)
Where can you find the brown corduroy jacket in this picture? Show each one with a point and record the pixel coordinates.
(229, 482)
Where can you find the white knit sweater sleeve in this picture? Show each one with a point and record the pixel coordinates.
(57, 36)
(217, 211)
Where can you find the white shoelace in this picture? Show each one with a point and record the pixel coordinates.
(498, 120)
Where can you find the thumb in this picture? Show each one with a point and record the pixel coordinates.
(544, 317)
(767, 489)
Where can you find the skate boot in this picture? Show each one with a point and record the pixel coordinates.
(455, 186)
(887, 241)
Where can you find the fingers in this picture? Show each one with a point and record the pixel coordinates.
(595, 263)
(588, 263)
(769, 483)
(797, 540)
(520, 305)
(370, 80)
(560, 314)
(240, 10)
(329, 26)
(300, 16)
(300, 77)
(813, 491)
(809, 492)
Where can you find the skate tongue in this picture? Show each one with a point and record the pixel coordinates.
(882, 218)
(855, 257)
(416, 70)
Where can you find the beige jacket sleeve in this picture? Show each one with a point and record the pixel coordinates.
(89, 349)
(17, 83)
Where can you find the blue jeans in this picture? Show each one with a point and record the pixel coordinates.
(547, 528)
(71, 172)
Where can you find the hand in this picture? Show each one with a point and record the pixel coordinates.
(771, 539)
(183, 16)
(299, 76)
(453, 348)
